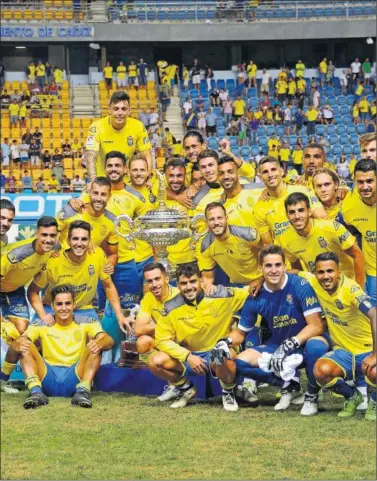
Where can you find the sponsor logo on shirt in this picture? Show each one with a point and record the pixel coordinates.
(130, 141)
(322, 242)
(91, 270)
(310, 301)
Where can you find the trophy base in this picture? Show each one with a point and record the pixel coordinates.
(130, 357)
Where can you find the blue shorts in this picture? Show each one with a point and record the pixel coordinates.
(363, 115)
(126, 281)
(82, 316)
(204, 355)
(322, 76)
(371, 285)
(14, 304)
(60, 380)
(348, 362)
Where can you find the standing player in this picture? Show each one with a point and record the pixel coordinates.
(235, 249)
(70, 354)
(305, 238)
(187, 331)
(270, 216)
(351, 320)
(359, 211)
(7, 215)
(293, 313)
(326, 187)
(118, 131)
(17, 268)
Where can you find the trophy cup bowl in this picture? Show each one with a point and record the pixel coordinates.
(160, 227)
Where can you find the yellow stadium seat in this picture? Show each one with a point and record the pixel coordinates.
(46, 123)
(16, 133)
(58, 3)
(64, 94)
(160, 162)
(66, 123)
(5, 123)
(76, 123)
(36, 173)
(59, 15)
(16, 85)
(7, 85)
(67, 163)
(36, 122)
(69, 173)
(49, 14)
(76, 133)
(65, 85)
(5, 132)
(86, 122)
(67, 3)
(17, 174)
(102, 85)
(68, 15)
(28, 15)
(6, 14)
(38, 15)
(17, 14)
(56, 143)
(48, 3)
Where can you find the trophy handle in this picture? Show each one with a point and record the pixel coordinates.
(161, 189)
(129, 237)
(195, 234)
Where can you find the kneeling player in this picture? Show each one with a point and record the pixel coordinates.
(70, 354)
(351, 319)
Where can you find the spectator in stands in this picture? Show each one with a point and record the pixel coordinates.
(242, 131)
(25, 96)
(252, 74)
(86, 178)
(211, 123)
(297, 157)
(30, 73)
(11, 183)
(58, 170)
(228, 111)
(215, 97)
(165, 101)
(359, 89)
(343, 82)
(209, 75)
(281, 89)
(49, 73)
(153, 120)
(2, 74)
(3, 181)
(371, 127)
(132, 73)
(253, 129)
(15, 152)
(367, 70)
(233, 128)
(40, 186)
(14, 110)
(364, 109)
(191, 120)
(78, 184)
(34, 153)
(323, 141)
(108, 76)
(66, 149)
(356, 70)
(292, 89)
(41, 74)
(187, 105)
(195, 73)
(144, 118)
(373, 109)
(58, 77)
(5, 98)
(202, 122)
(15, 96)
(142, 69)
(328, 114)
(24, 154)
(26, 181)
(239, 107)
(330, 73)
(315, 97)
(53, 184)
(57, 156)
(288, 120)
(311, 117)
(37, 135)
(343, 168)
(121, 76)
(299, 121)
(53, 89)
(65, 183)
(75, 147)
(5, 151)
(355, 112)
(322, 69)
(22, 114)
(223, 95)
(46, 159)
(266, 81)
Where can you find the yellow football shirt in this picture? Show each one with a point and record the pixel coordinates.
(301, 84)
(323, 67)
(359, 90)
(333, 211)
(181, 252)
(240, 209)
(284, 154)
(132, 70)
(205, 195)
(292, 87)
(121, 71)
(84, 277)
(270, 215)
(63, 345)
(281, 86)
(41, 70)
(103, 138)
(103, 228)
(345, 311)
(8, 331)
(239, 107)
(297, 156)
(252, 70)
(300, 69)
(108, 72)
(363, 217)
(237, 256)
(364, 106)
(198, 325)
(312, 115)
(324, 236)
(152, 307)
(58, 75)
(20, 264)
(272, 142)
(14, 109)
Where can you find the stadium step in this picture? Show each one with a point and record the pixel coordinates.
(174, 117)
(83, 101)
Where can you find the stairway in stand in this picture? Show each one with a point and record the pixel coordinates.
(174, 117)
(83, 101)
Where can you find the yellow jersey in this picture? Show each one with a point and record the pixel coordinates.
(41, 70)
(324, 236)
(364, 106)
(32, 69)
(103, 138)
(8, 331)
(355, 111)
(298, 156)
(273, 153)
(152, 307)
(359, 90)
(345, 311)
(108, 72)
(23, 110)
(363, 218)
(239, 107)
(58, 75)
(121, 72)
(252, 70)
(301, 85)
(132, 70)
(270, 215)
(63, 345)
(273, 142)
(177, 149)
(284, 154)
(205, 195)
(323, 67)
(53, 185)
(84, 277)
(300, 69)
(20, 264)
(240, 209)
(103, 228)
(181, 252)
(237, 255)
(311, 115)
(281, 86)
(14, 109)
(197, 325)
(333, 211)
(292, 87)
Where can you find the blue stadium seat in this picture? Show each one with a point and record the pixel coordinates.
(251, 92)
(356, 149)
(336, 110)
(304, 139)
(292, 139)
(190, 15)
(254, 150)
(320, 129)
(344, 109)
(341, 129)
(219, 121)
(329, 12)
(233, 140)
(221, 131)
(332, 101)
(161, 15)
(141, 16)
(357, 11)
(354, 139)
(289, 13)
(230, 83)
(269, 14)
(336, 149)
(151, 15)
(333, 139)
(347, 149)
(330, 157)
(270, 129)
(245, 152)
(347, 119)
(338, 119)
(344, 139)
(235, 151)
(351, 129)
(194, 94)
(221, 84)
(342, 100)
(369, 11)
(212, 143)
(350, 99)
(262, 141)
(261, 131)
(280, 130)
(361, 129)
(318, 12)
(218, 111)
(340, 12)
(331, 129)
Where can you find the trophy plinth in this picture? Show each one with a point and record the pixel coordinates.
(130, 357)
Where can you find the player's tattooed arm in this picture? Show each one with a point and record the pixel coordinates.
(91, 158)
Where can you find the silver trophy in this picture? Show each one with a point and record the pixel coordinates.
(160, 227)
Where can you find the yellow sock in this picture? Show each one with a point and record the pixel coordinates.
(33, 381)
(179, 383)
(8, 368)
(228, 386)
(84, 385)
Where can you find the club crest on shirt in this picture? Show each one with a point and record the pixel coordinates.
(243, 250)
(130, 141)
(91, 270)
(289, 299)
(339, 304)
(214, 310)
(354, 289)
(322, 242)
(103, 230)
